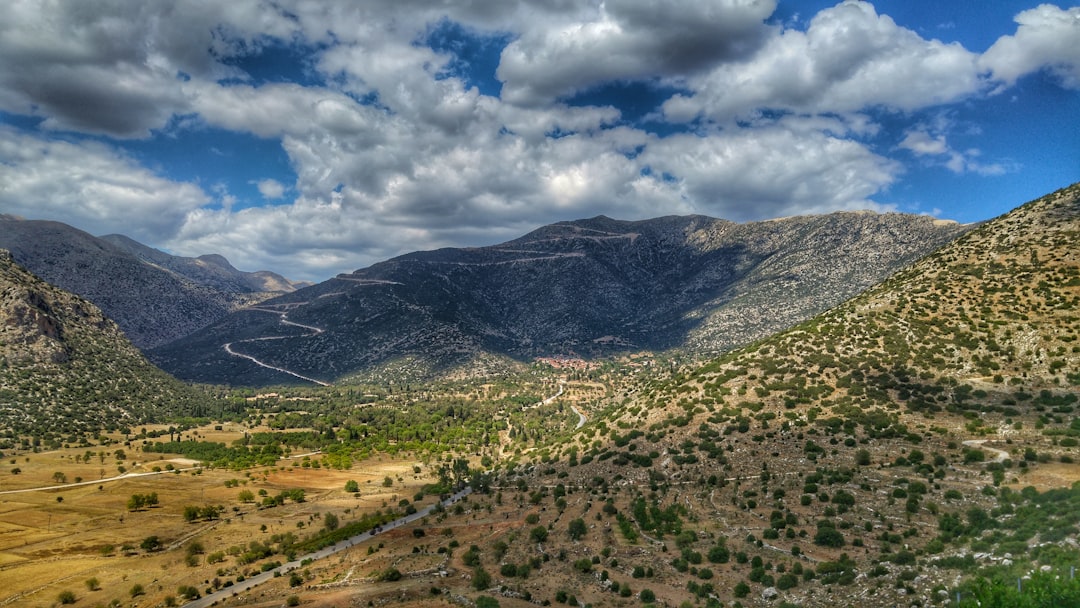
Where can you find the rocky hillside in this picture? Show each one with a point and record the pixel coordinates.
(888, 452)
(68, 371)
(154, 297)
(585, 288)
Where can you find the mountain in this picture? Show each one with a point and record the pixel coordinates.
(894, 447)
(585, 288)
(66, 370)
(154, 297)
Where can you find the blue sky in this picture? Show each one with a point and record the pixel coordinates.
(317, 138)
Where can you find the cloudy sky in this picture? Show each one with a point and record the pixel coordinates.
(313, 138)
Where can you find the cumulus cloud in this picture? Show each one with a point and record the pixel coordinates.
(779, 170)
(92, 186)
(118, 68)
(922, 142)
(392, 151)
(270, 189)
(1045, 39)
(848, 59)
(629, 40)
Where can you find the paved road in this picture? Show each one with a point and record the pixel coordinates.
(258, 579)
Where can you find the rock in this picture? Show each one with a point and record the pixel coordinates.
(769, 593)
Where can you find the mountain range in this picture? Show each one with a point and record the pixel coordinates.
(581, 288)
(153, 296)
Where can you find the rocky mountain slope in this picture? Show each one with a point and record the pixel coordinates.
(66, 370)
(154, 297)
(586, 287)
(881, 452)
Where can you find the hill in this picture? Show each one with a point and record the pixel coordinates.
(67, 371)
(154, 297)
(884, 452)
(584, 288)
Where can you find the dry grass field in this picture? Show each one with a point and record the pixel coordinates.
(65, 524)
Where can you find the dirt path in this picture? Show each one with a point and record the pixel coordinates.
(284, 320)
(999, 455)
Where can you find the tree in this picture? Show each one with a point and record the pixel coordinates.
(828, 536)
(741, 589)
(481, 580)
(151, 544)
(137, 590)
(647, 596)
(330, 521)
(486, 601)
(66, 597)
(862, 457)
(93, 584)
(59, 477)
(538, 534)
(246, 496)
(352, 487)
(577, 528)
(136, 502)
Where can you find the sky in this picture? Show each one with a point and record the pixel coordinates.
(312, 138)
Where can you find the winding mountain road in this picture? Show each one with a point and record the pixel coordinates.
(284, 320)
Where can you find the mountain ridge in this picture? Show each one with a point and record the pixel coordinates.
(155, 297)
(586, 287)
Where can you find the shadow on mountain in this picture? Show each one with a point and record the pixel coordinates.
(588, 289)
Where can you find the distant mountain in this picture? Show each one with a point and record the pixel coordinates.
(66, 369)
(154, 297)
(587, 287)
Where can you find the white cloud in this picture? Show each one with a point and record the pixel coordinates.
(270, 189)
(848, 59)
(628, 40)
(1047, 37)
(391, 154)
(753, 174)
(924, 143)
(117, 68)
(91, 186)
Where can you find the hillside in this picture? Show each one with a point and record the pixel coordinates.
(67, 371)
(154, 297)
(881, 451)
(586, 288)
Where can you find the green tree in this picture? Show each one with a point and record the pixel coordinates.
(330, 521)
(352, 487)
(577, 528)
(481, 580)
(538, 534)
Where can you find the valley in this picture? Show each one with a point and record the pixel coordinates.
(915, 444)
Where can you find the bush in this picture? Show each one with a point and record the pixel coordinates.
(647, 596)
(741, 589)
(292, 600)
(66, 597)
